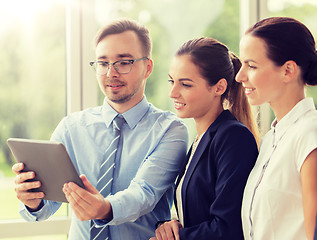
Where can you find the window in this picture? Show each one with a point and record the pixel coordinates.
(32, 86)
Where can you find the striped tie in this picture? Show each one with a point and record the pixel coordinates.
(105, 178)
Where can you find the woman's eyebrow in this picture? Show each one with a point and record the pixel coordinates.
(181, 79)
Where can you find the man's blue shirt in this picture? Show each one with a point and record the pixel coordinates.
(152, 146)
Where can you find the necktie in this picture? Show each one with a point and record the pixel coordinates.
(105, 177)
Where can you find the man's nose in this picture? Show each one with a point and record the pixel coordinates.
(112, 71)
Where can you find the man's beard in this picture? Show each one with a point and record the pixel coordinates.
(122, 99)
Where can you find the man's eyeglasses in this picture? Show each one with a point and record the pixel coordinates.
(121, 66)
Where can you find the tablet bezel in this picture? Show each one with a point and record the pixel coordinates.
(51, 163)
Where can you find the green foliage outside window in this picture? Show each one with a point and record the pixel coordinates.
(32, 80)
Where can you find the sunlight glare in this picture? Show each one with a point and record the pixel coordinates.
(12, 11)
(278, 5)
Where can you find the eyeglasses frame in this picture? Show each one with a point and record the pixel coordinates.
(132, 61)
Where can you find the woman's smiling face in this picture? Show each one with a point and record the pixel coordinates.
(260, 77)
(192, 95)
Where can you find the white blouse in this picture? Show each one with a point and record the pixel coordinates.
(272, 207)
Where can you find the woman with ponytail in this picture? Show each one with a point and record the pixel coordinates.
(280, 200)
(210, 186)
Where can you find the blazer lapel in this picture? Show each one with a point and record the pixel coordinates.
(203, 144)
(183, 168)
(180, 175)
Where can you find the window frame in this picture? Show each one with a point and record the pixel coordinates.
(81, 93)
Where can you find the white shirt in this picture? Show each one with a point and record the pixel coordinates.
(272, 206)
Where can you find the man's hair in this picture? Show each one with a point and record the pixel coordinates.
(123, 25)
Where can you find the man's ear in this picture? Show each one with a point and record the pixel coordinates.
(149, 67)
(290, 70)
(221, 86)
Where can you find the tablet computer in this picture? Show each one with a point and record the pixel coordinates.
(50, 162)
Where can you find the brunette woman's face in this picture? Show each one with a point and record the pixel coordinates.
(260, 77)
(192, 95)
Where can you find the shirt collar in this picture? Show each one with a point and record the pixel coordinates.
(301, 108)
(132, 116)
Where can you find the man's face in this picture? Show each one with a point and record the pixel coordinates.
(123, 91)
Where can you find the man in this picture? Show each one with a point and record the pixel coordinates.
(148, 158)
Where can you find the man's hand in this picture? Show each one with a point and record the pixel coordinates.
(87, 203)
(31, 199)
(168, 231)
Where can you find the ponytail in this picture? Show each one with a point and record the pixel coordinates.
(310, 77)
(238, 103)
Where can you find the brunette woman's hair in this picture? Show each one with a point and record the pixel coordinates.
(216, 62)
(288, 39)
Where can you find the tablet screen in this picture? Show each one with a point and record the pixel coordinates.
(50, 162)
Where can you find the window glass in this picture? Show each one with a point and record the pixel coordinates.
(171, 23)
(32, 82)
(304, 11)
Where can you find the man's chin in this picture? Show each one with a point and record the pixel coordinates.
(120, 100)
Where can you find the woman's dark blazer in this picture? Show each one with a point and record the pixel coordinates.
(213, 185)
(315, 237)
